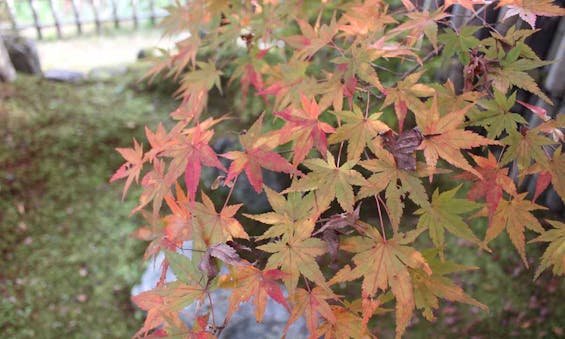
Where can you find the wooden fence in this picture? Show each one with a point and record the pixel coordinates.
(41, 15)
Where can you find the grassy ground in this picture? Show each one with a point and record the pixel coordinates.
(67, 265)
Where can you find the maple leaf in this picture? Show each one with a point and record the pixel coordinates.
(304, 128)
(132, 167)
(497, 117)
(249, 282)
(362, 18)
(525, 147)
(555, 252)
(445, 213)
(257, 153)
(249, 74)
(494, 182)
(330, 182)
(221, 251)
(513, 72)
(295, 253)
(459, 43)
(312, 304)
(156, 186)
(419, 23)
(429, 288)
(444, 139)
(529, 9)
(341, 83)
(403, 147)
(386, 176)
(358, 129)
(312, 38)
(288, 214)
(515, 217)
(383, 264)
(217, 227)
(347, 324)
(468, 4)
(553, 172)
(406, 95)
(163, 304)
(195, 86)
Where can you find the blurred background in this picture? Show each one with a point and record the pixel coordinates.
(67, 265)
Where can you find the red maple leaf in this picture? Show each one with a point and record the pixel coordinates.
(495, 180)
(305, 129)
(257, 153)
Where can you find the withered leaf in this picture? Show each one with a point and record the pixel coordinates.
(225, 253)
(402, 147)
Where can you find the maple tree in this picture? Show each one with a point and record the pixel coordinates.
(345, 109)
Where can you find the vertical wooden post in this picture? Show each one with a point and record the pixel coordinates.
(33, 6)
(134, 13)
(115, 13)
(96, 16)
(55, 14)
(152, 11)
(77, 16)
(12, 14)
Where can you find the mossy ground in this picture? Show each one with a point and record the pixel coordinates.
(67, 264)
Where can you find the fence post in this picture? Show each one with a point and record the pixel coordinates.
(152, 11)
(12, 14)
(96, 16)
(134, 12)
(33, 6)
(115, 13)
(77, 16)
(56, 19)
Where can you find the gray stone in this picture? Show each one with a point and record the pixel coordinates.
(243, 324)
(23, 54)
(64, 76)
(7, 71)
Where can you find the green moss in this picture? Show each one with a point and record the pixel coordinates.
(67, 263)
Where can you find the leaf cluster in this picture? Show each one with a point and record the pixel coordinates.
(325, 83)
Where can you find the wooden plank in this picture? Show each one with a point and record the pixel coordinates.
(134, 13)
(12, 14)
(94, 5)
(115, 14)
(56, 18)
(78, 23)
(33, 6)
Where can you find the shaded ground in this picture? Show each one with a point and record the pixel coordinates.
(67, 265)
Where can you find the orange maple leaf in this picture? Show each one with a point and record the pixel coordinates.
(249, 282)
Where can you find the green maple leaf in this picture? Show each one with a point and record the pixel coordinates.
(497, 117)
(459, 43)
(555, 252)
(358, 129)
(526, 147)
(428, 289)
(397, 184)
(446, 213)
(330, 182)
(288, 214)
